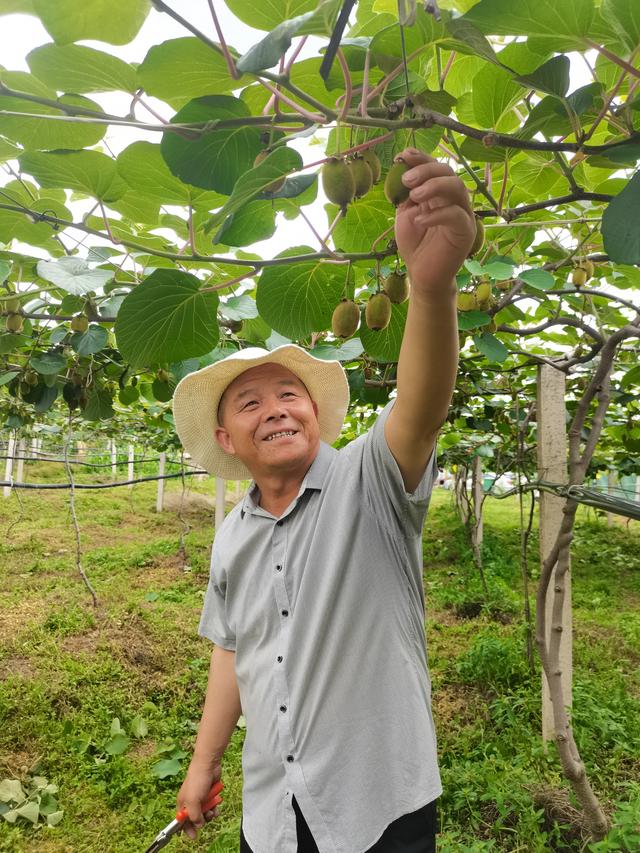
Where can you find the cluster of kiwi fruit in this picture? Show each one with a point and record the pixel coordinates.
(478, 299)
(377, 312)
(346, 179)
(582, 272)
(14, 321)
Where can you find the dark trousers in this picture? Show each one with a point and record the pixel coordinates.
(411, 833)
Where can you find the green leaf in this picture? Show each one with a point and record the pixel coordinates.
(4, 379)
(298, 299)
(166, 767)
(91, 341)
(112, 21)
(54, 818)
(11, 791)
(143, 168)
(8, 151)
(5, 269)
(499, 270)
(99, 408)
(540, 279)
(254, 222)
(48, 363)
(87, 172)
(621, 224)
(118, 743)
(491, 347)
(562, 25)
(139, 728)
(624, 15)
(46, 399)
(268, 14)
(178, 70)
(44, 133)
(472, 320)
(348, 351)
(30, 811)
(75, 68)
(384, 346)
(215, 160)
(464, 31)
(494, 92)
(179, 321)
(366, 219)
(255, 181)
(73, 275)
(267, 52)
(239, 308)
(553, 77)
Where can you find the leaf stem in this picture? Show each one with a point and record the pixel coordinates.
(231, 65)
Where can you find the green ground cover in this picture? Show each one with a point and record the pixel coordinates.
(68, 671)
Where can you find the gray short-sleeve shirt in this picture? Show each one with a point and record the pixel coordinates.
(324, 608)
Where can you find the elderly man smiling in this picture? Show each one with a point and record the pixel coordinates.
(315, 602)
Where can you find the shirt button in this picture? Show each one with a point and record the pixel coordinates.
(283, 708)
(279, 658)
(280, 523)
(278, 568)
(285, 612)
(289, 758)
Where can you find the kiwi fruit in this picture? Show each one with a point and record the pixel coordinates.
(396, 286)
(11, 305)
(467, 302)
(276, 185)
(31, 377)
(394, 189)
(478, 241)
(14, 323)
(79, 323)
(345, 319)
(337, 182)
(234, 326)
(362, 176)
(579, 277)
(162, 375)
(378, 312)
(371, 158)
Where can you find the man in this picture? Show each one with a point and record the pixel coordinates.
(315, 602)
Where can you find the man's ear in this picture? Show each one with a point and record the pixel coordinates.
(224, 440)
(315, 408)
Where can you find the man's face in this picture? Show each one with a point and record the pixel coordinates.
(269, 421)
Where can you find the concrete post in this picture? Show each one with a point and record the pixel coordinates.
(21, 452)
(552, 467)
(8, 468)
(114, 459)
(131, 451)
(160, 496)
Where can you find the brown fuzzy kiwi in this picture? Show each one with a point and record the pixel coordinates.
(378, 312)
(337, 182)
(79, 323)
(467, 302)
(394, 189)
(345, 319)
(276, 185)
(362, 177)
(14, 323)
(369, 156)
(396, 286)
(478, 241)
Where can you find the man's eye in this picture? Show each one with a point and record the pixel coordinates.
(250, 403)
(288, 393)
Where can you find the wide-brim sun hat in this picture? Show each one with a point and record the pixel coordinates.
(197, 397)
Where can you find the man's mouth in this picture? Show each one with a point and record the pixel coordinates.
(278, 435)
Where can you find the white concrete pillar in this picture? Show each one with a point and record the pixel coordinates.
(131, 451)
(8, 468)
(160, 496)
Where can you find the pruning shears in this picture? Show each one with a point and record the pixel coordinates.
(164, 836)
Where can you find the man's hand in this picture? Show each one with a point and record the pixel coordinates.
(194, 791)
(435, 227)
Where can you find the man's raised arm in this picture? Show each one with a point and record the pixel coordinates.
(435, 229)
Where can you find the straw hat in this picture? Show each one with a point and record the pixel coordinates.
(197, 397)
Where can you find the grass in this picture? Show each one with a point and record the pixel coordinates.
(69, 670)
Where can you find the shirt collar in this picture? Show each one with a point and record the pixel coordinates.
(313, 479)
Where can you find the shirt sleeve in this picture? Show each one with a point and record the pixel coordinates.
(213, 621)
(400, 511)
